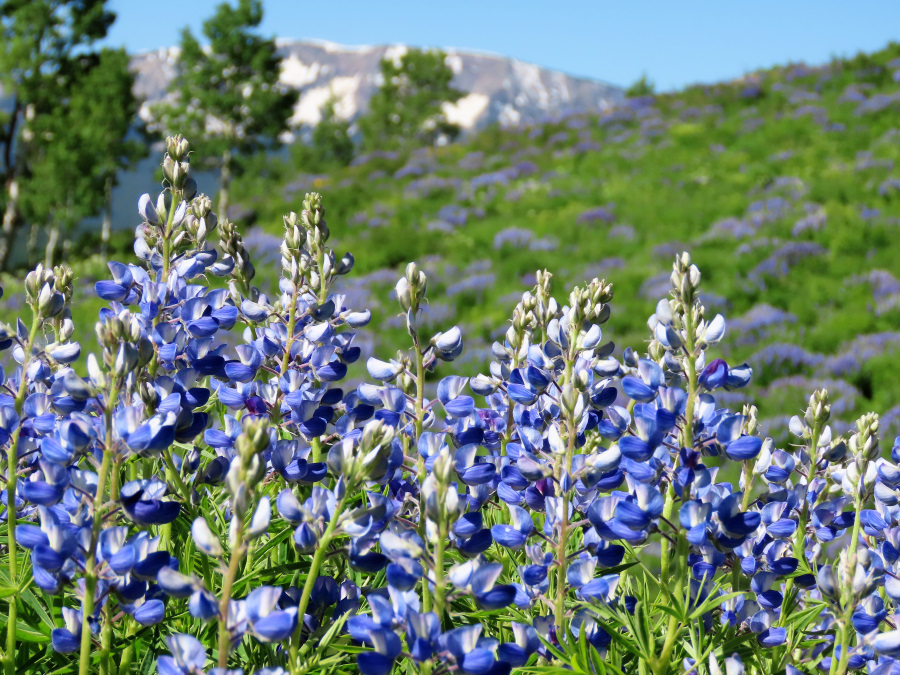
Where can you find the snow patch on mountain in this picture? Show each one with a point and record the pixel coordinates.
(466, 111)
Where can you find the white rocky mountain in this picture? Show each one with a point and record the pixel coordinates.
(497, 88)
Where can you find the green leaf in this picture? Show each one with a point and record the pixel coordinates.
(27, 633)
(712, 602)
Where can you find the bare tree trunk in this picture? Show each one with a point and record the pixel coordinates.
(106, 225)
(52, 239)
(56, 225)
(10, 218)
(33, 231)
(11, 157)
(224, 185)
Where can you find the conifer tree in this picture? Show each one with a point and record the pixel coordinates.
(408, 107)
(331, 137)
(45, 52)
(227, 99)
(79, 146)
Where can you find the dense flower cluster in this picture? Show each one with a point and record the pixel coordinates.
(518, 517)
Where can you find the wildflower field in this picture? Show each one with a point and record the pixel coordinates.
(236, 470)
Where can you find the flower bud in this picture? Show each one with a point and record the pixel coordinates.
(63, 278)
(126, 360)
(177, 147)
(149, 397)
(253, 440)
(50, 302)
(35, 281)
(404, 294)
(443, 466)
(582, 378)
(569, 398)
(751, 419)
(204, 539)
(819, 409)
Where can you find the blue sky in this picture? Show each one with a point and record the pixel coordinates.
(675, 43)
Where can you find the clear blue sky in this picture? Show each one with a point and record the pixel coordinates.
(675, 42)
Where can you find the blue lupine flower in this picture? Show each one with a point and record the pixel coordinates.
(479, 578)
(381, 661)
(516, 534)
(188, 656)
(67, 640)
(715, 375)
(266, 622)
(526, 643)
(141, 501)
(463, 647)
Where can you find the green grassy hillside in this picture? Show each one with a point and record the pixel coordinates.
(782, 185)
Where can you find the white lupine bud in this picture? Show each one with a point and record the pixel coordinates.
(404, 295)
(95, 373)
(694, 275)
(443, 465)
(261, 517)
(430, 496)
(234, 535)
(582, 379)
(569, 398)
(451, 501)
(204, 538)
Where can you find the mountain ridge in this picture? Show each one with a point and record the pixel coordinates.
(498, 89)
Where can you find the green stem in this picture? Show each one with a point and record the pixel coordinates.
(854, 541)
(440, 589)
(687, 434)
(323, 283)
(105, 645)
(799, 540)
(90, 577)
(420, 390)
(848, 611)
(559, 609)
(12, 464)
(291, 326)
(420, 464)
(227, 585)
(673, 629)
(128, 652)
(800, 534)
(668, 512)
(846, 623)
(166, 239)
(312, 575)
(115, 487)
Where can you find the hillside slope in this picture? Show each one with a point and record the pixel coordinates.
(783, 185)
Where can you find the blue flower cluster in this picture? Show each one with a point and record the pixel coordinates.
(476, 532)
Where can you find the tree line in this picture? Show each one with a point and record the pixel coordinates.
(69, 123)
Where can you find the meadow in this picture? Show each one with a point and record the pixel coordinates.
(781, 185)
(640, 418)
